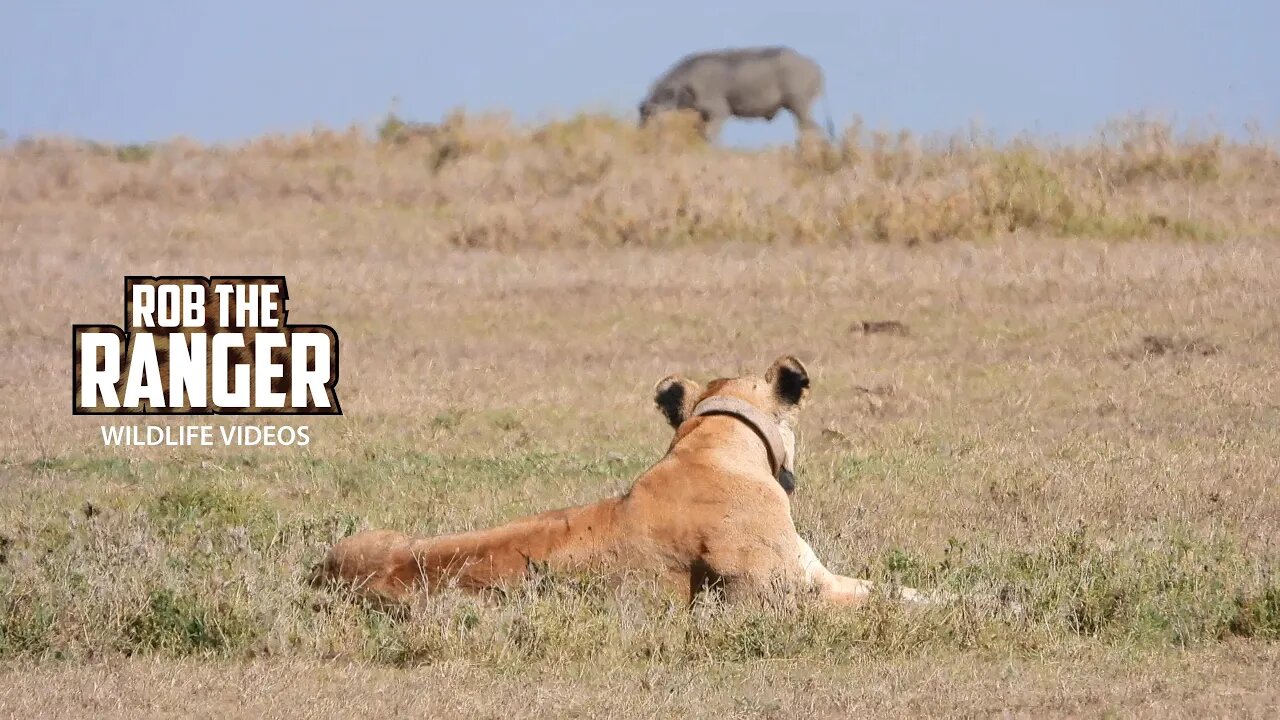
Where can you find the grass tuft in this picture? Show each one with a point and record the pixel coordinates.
(180, 624)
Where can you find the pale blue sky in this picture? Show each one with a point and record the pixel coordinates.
(136, 70)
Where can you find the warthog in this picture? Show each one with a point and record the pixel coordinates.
(743, 82)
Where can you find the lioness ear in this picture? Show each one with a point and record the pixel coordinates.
(675, 397)
(789, 379)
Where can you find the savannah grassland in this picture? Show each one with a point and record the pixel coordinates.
(1080, 410)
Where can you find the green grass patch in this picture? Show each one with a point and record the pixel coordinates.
(134, 153)
(208, 504)
(182, 624)
(26, 621)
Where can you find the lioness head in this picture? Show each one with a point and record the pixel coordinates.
(779, 394)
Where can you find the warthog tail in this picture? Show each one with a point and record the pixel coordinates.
(831, 126)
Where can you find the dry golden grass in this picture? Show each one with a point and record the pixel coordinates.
(1224, 682)
(597, 181)
(1070, 415)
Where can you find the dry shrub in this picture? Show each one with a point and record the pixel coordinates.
(594, 179)
(671, 132)
(1149, 151)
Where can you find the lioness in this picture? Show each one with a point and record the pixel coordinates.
(713, 511)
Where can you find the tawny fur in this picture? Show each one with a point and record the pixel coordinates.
(709, 511)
